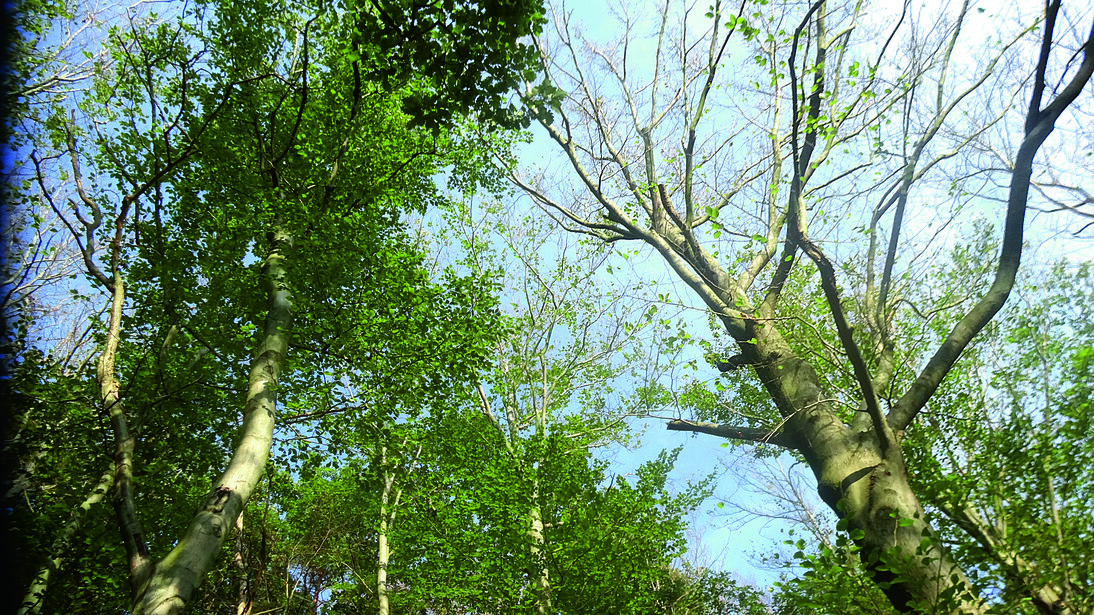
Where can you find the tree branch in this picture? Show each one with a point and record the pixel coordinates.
(730, 432)
(1039, 125)
(1048, 599)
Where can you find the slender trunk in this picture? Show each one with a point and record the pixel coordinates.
(389, 501)
(181, 570)
(383, 556)
(383, 551)
(32, 601)
(243, 596)
(136, 548)
(538, 551)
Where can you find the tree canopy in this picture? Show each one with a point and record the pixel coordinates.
(350, 307)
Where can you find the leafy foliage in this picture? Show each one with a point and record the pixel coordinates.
(1003, 456)
(227, 138)
(457, 56)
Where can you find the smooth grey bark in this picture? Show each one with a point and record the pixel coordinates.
(180, 572)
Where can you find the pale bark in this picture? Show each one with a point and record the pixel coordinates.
(388, 507)
(84, 218)
(537, 548)
(179, 573)
(383, 551)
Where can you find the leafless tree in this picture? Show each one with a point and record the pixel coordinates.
(775, 145)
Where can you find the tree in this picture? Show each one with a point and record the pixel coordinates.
(550, 400)
(245, 135)
(466, 507)
(553, 531)
(999, 494)
(855, 113)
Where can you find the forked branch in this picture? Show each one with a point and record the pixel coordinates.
(1039, 125)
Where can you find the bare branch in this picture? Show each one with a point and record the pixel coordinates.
(1039, 125)
(730, 432)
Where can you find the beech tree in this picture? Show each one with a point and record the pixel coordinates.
(228, 152)
(982, 466)
(774, 147)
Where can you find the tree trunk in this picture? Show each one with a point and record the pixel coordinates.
(136, 548)
(244, 603)
(538, 551)
(383, 550)
(177, 575)
(864, 482)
